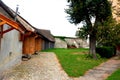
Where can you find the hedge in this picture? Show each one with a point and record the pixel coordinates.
(106, 52)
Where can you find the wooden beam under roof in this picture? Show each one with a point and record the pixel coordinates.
(5, 20)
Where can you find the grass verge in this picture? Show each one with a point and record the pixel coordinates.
(115, 75)
(74, 61)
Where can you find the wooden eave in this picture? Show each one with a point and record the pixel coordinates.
(13, 24)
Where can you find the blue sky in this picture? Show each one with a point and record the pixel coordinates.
(45, 14)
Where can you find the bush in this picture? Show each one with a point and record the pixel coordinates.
(106, 52)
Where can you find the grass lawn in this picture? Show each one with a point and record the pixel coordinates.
(115, 75)
(74, 61)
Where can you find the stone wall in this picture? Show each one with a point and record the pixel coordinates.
(116, 10)
(77, 42)
(82, 43)
(60, 43)
(71, 43)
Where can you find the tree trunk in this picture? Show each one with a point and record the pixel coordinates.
(92, 46)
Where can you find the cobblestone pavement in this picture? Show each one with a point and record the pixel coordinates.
(43, 66)
(102, 71)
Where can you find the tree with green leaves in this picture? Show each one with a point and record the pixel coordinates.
(109, 35)
(83, 11)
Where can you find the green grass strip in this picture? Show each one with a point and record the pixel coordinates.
(74, 61)
(115, 75)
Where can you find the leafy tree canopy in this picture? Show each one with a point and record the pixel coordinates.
(84, 10)
(81, 10)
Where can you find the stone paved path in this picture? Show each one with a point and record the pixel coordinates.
(102, 71)
(45, 66)
(39, 67)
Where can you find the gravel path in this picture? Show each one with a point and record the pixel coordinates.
(44, 66)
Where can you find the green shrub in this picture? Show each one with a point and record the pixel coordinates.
(106, 52)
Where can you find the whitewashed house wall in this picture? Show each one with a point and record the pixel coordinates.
(10, 49)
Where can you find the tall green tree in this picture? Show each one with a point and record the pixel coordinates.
(84, 10)
(109, 35)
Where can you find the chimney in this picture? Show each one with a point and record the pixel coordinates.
(17, 7)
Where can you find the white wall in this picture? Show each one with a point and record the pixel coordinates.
(77, 42)
(10, 50)
(60, 43)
